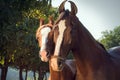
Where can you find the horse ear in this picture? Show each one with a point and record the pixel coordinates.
(73, 8)
(41, 21)
(61, 7)
(51, 20)
(40, 25)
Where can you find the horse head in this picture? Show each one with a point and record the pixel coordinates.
(41, 35)
(61, 35)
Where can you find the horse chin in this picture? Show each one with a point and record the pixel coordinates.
(43, 55)
(44, 59)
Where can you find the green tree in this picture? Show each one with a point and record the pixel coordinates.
(18, 23)
(111, 38)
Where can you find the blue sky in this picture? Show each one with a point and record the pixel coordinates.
(96, 15)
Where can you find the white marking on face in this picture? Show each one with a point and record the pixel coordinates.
(44, 35)
(62, 28)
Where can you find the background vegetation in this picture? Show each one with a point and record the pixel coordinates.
(111, 38)
(19, 20)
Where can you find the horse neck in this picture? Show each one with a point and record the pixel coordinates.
(54, 75)
(87, 48)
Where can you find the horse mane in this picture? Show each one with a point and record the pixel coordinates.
(102, 46)
(62, 15)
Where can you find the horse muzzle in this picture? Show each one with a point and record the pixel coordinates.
(57, 63)
(44, 55)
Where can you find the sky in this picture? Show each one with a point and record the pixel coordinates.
(96, 15)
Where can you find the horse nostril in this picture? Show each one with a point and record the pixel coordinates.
(59, 63)
(48, 54)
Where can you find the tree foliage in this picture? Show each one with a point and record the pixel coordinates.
(19, 20)
(111, 38)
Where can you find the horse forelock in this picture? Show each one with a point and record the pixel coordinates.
(62, 15)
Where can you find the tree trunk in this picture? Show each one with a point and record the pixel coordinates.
(40, 73)
(26, 71)
(34, 75)
(20, 74)
(4, 70)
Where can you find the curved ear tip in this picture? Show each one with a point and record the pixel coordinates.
(41, 19)
(61, 7)
(69, 1)
(50, 17)
(74, 7)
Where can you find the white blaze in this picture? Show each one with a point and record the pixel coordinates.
(44, 35)
(62, 28)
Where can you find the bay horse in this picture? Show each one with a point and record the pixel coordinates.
(93, 62)
(68, 68)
